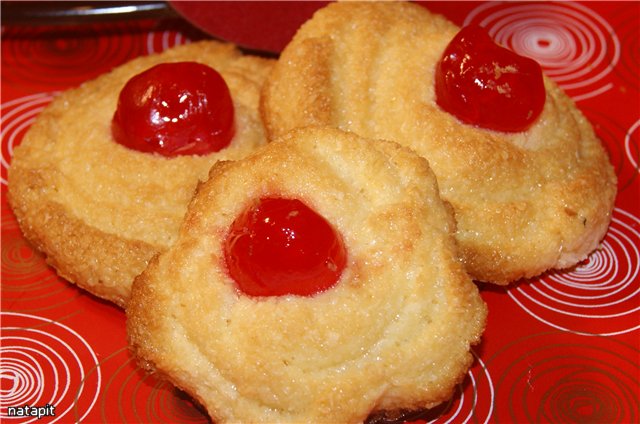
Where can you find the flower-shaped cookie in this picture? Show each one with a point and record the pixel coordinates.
(99, 210)
(392, 332)
(525, 201)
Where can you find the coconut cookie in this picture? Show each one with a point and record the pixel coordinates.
(314, 281)
(102, 179)
(531, 185)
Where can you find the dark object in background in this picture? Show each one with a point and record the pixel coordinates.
(256, 25)
(74, 12)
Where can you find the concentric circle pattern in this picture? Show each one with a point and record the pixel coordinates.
(632, 146)
(130, 395)
(621, 143)
(563, 347)
(575, 46)
(20, 263)
(159, 41)
(17, 116)
(473, 402)
(591, 298)
(56, 58)
(567, 378)
(28, 284)
(42, 363)
(626, 27)
(44, 293)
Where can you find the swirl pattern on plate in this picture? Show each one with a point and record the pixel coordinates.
(45, 362)
(564, 377)
(17, 117)
(140, 398)
(594, 297)
(576, 47)
(28, 284)
(476, 398)
(622, 145)
(157, 42)
(38, 294)
(44, 61)
(473, 402)
(19, 261)
(626, 26)
(631, 145)
(476, 402)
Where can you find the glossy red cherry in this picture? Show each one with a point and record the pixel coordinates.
(280, 246)
(181, 108)
(484, 84)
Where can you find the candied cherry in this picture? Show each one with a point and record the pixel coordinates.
(180, 108)
(484, 84)
(279, 247)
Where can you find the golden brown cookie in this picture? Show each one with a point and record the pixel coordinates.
(100, 211)
(524, 202)
(394, 332)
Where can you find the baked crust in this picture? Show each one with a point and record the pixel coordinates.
(100, 211)
(393, 333)
(524, 203)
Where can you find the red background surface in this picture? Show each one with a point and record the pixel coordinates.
(564, 347)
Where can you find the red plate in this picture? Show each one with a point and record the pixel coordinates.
(564, 347)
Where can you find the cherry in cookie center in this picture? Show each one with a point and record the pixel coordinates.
(280, 246)
(484, 84)
(180, 108)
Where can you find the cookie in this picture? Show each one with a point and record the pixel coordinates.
(393, 331)
(98, 210)
(524, 201)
